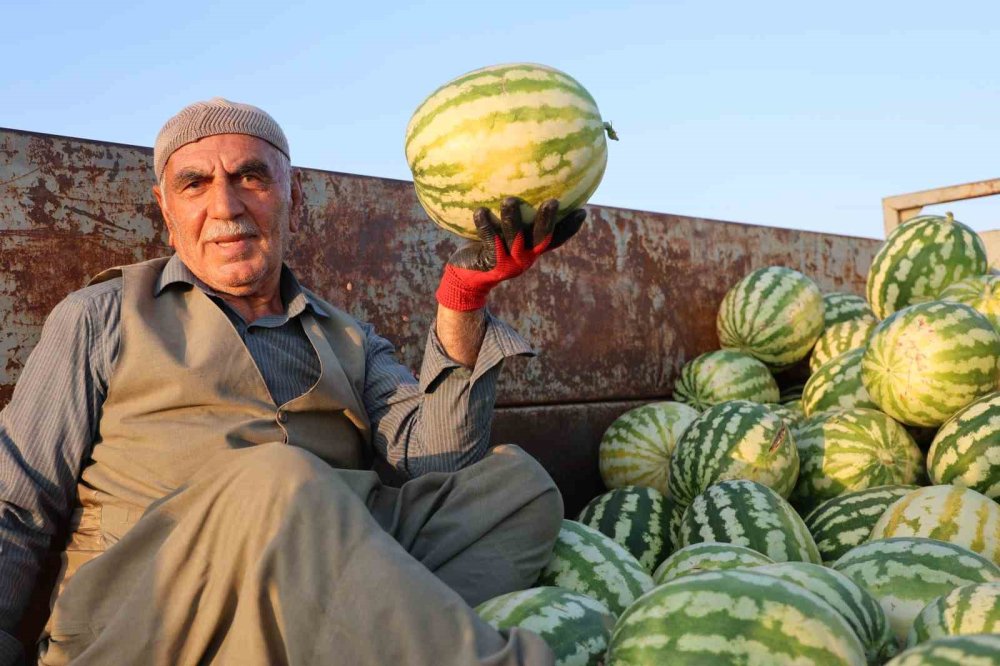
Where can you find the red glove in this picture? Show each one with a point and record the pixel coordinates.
(503, 251)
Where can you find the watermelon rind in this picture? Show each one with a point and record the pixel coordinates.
(588, 562)
(839, 524)
(575, 626)
(966, 449)
(982, 293)
(840, 338)
(707, 556)
(837, 385)
(840, 307)
(637, 518)
(724, 374)
(733, 617)
(970, 609)
(971, 650)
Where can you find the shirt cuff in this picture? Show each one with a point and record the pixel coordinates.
(500, 342)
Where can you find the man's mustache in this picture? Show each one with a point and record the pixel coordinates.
(230, 230)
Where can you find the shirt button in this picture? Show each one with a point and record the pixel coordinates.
(282, 416)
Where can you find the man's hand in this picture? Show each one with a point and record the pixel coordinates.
(504, 250)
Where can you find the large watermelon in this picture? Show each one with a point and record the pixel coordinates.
(574, 625)
(981, 293)
(748, 514)
(854, 603)
(837, 385)
(907, 573)
(966, 450)
(839, 524)
(733, 617)
(707, 556)
(518, 130)
(947, 513)
(972, 650)
(586, 561)
(636, 448)
(637, 518)
(726, 374)
(840, 338)
(734, 440)
(919, 259)
(774, 314)
(970, 609)
(927, 361)
(839, 307)
(849, 450)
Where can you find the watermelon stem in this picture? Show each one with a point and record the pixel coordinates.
(611, 131)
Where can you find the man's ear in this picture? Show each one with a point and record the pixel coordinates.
(298, 201)
(158, 193)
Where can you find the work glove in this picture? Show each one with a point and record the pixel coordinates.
(503, 251)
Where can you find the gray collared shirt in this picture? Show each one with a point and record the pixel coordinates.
(439, 423)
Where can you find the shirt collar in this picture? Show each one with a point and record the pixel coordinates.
(293, 296)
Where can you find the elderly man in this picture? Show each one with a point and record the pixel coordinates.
(207, 427)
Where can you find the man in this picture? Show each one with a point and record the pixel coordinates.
(207, 425)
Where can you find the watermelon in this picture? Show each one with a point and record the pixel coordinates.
(947, 513)
(748, 514)
(574, 625)
(970, 609)
(852, 449)
(791, 393)
(839, 524)
(974, 650)
(854, 603)
(637, 518)
(907, 573)
(722, 375)
(734, 440)
(790, 412)
(966, 450)
(774, 314)
(840, 307)
(919, 259)
(516, 130)
(707, 556)
(982, 293)
(636, 448)
(840, 338)
(585, 561)
(733, 617)
(837, 385)
(927, 361)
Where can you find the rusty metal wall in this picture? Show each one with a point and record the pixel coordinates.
(614, 313)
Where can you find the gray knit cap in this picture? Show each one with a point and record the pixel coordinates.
(216, 116)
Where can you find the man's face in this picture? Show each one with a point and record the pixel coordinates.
(231, 203)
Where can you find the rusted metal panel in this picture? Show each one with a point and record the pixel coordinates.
(614, 313)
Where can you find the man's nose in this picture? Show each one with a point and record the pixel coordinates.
(224, 200)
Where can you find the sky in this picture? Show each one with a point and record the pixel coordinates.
(791, 114)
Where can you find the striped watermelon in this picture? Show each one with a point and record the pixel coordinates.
(839, 524)
(790, 412)
(839, 307)
(518, 130)
(840, 338)
(586, 561)
(982, 293)
(852, 449)
(837, 385)
(854, 603)
(726, 374)
(966, 450)
(637, 518)
(791, 392)
(748, 514)
(973, 650)
(919, 259)
(574, 625)
(970, 609)
(774, 314)
(927, 361)
(734, 440)
(733, 617)
(947, 513)
(636, 449)
(707, 556)
(907, 573)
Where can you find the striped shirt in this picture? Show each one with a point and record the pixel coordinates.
(439, 423)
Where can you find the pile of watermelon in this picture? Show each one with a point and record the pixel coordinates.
(822, 490)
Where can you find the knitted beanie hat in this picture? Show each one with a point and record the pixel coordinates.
(216, 116)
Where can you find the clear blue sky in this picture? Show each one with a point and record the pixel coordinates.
(796, 114)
